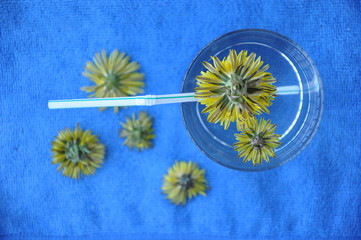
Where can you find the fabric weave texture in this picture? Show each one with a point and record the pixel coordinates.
(44, 46)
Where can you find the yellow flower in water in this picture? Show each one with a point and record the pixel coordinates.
(235, 89)
(114, 76)
(258, 142)
(184, 180)
(77, 152)
(138, 132)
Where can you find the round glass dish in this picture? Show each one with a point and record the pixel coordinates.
(296, 114)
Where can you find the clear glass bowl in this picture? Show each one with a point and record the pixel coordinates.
(297, 115)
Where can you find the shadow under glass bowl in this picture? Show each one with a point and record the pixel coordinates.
(297, 115)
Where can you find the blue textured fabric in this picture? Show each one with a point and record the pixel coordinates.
(43, 48)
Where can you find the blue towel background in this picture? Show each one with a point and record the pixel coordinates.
(44, 46)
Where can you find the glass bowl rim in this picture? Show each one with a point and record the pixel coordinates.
(314, 69)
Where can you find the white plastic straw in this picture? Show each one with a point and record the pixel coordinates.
(147, 100)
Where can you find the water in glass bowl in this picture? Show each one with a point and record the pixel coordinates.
(296, 114)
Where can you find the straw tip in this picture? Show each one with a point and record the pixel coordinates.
(50, 104)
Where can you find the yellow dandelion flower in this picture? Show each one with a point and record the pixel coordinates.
(138, 132)
(114, 76)
(77, 152)
(258, 142)
(184, 181)
(235, 89)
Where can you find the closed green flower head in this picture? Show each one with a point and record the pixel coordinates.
(138, 132)
(77, 152)
(114, 76)
(184, 181)
(235, 89)
(257, 142)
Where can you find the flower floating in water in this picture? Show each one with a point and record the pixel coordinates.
(138, 133)
(235, 89)
(258, 142)
(114, 76)
(77, 152)
(184, 180)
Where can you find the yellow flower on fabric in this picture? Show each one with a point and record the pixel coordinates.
(77, 152)
(138, 132)
(235, 89)
(184, 181)
(114, 76)
(257, 142)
